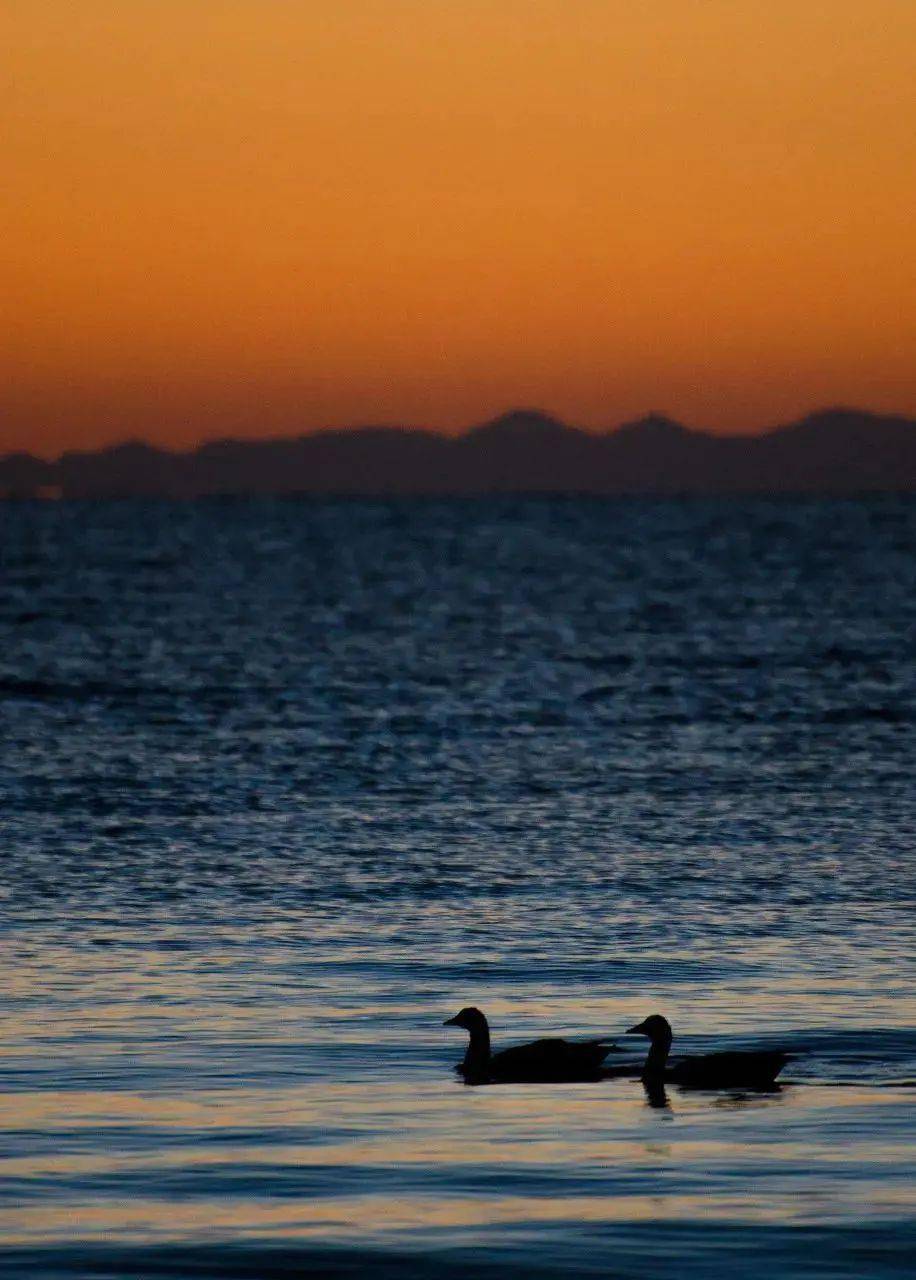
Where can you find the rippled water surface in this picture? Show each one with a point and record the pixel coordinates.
(285, 784)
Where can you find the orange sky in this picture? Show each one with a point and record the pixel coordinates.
(262, 216)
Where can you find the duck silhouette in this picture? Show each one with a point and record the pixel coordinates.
(542, 1061)
(740, 1069)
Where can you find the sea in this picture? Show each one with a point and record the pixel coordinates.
(286, 783)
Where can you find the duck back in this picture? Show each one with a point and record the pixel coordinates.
(549, 1060)
(737, 1070)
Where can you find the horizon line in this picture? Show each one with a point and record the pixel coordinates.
(455, 437)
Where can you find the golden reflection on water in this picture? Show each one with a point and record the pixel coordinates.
(580, 1111)
(146, 1219)
(706, 1167)
(431, 1155)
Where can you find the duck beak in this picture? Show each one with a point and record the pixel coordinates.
(638, 1030)
(452, 1022)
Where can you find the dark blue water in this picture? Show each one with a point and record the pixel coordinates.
(285, 784)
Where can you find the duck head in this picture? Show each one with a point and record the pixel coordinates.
(656, 1028)
(470, 1018)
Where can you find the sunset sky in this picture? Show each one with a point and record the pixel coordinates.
(253, 217)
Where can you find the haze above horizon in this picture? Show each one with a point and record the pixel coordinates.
(232, 219)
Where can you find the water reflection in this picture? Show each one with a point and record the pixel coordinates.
(758, 1097)
(566, 760)
(656, 1095)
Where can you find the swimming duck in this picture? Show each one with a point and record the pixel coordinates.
(546, 1061)
(755, 1069)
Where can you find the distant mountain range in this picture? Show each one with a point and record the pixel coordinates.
(833, 451)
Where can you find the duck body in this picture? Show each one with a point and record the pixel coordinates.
(739, 1070)
(548, 1061)
(752, 1069)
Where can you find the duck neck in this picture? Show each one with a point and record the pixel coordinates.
(657, 1057)
(478, 1052)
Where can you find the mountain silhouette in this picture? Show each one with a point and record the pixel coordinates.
(521, 424)
(524, 451)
